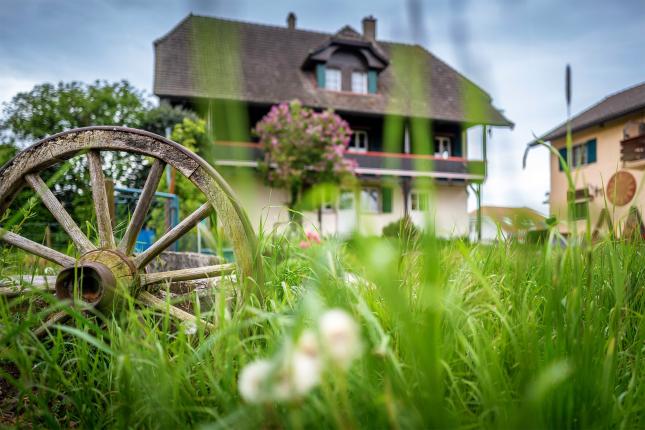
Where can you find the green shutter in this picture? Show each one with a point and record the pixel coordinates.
(372, 81)
(320, 75)
(386, 194)
(563, 153)
(591, 151)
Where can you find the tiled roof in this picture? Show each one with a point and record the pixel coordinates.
(616, 105)
(205, 57)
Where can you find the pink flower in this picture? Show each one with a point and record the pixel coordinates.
(313, 236)
(304, 244)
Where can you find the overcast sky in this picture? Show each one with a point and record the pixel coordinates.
(516, 50)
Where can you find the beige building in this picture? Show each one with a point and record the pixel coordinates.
(608, 162)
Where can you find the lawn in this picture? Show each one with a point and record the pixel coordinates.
(447, 335)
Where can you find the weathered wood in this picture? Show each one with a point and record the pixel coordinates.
(54, 318)
(143, 205)
(109, 192)
(36, 248)
(99, 195)
(48, 198)
(173, 235)
(161, 305)
(187, 274)
(16, 285)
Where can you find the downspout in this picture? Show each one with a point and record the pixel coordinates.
(479, 186)
(406, 179)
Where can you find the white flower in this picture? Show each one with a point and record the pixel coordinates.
(340, 337)
(190, 328)
(253, 380)
(305, 372)
(308, 343)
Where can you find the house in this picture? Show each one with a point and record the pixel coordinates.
(608, 159)
(504, 223)
(409, 110)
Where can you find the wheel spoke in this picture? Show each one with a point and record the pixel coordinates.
(187, 274)
(53, 319)
(162, 305)
(143, 205)
(101, 205)
(37, 249)
(170, 237)
(17, 285)
(58, 211)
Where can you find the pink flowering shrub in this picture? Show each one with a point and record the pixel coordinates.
(303, 147)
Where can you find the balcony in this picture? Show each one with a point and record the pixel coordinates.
(632, 152)
(369, 163)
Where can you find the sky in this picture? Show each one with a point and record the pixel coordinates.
(516, 50)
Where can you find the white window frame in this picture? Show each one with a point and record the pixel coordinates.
(359, 82)
(359, 141)
(443, 146)
(580, 155)
(371, 191)
(333, 76)
(418, 199)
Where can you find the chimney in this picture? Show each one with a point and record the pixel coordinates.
(291, 21)
(369, 28)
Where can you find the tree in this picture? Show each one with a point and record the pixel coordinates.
(49, 108)
(303, 148)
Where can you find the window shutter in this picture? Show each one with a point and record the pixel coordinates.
(386, 194)
(456, 147)
(591, 151)
(320, 75)
(563, 153)
(372, 81)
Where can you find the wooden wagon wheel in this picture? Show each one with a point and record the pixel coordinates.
(109, 269)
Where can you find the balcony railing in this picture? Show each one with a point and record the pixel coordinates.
(632, 150)
(369, 163)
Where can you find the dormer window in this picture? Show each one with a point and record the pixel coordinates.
(333, 79)
(359, 82)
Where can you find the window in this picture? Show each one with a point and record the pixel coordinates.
(359, 82)
(579, 155)
(442, 146)
(333, 79)
(419, 201)
(346, 200)
(371, 200)
(359, 141)
(582, 154)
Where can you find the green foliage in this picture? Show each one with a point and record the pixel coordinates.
(162, 118)
(455, 336)
(7, 151)
(403, 229)
(49, 109)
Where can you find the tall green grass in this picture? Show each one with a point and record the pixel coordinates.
(455, 336)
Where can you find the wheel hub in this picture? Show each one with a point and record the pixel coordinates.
(100, 278)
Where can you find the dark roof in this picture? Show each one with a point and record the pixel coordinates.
(614, 106)
(205, 57)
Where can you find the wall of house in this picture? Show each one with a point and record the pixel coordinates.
(596, 175)
(267, 207)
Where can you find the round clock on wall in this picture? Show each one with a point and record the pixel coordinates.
(621, 188)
